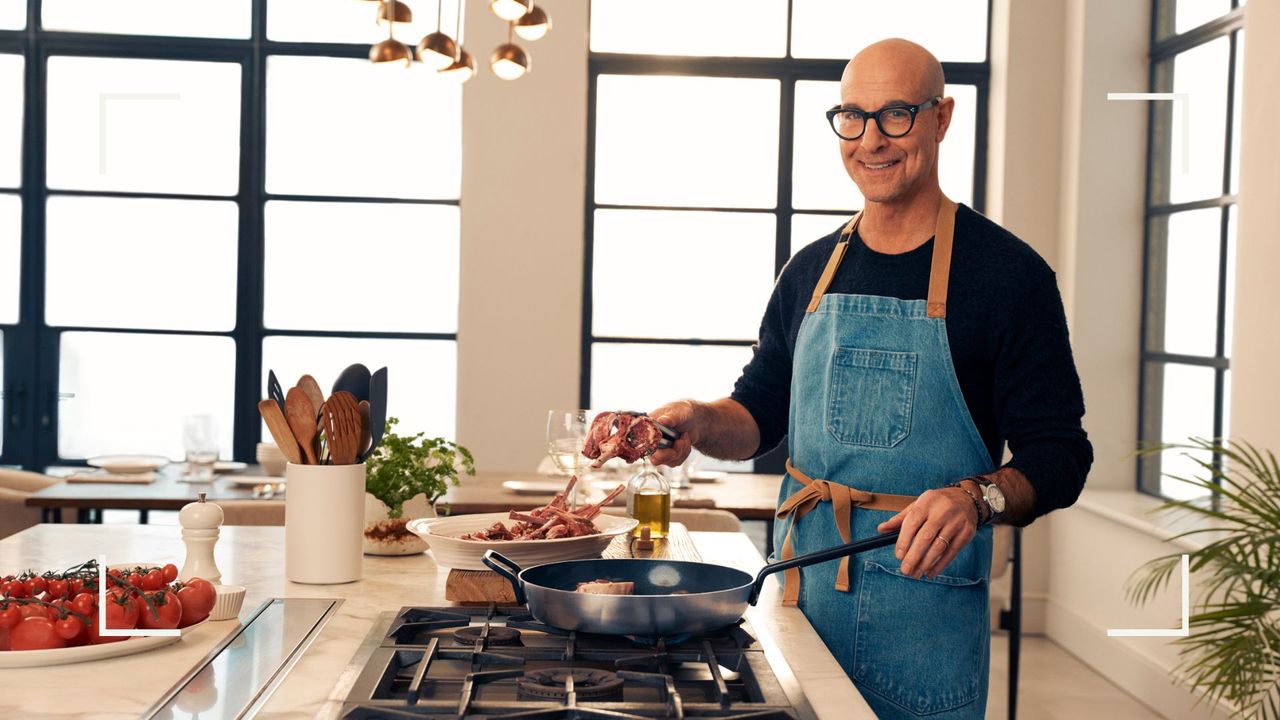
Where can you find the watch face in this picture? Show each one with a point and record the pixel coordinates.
(995, 497)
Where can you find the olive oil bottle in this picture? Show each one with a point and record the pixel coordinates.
(649, 502)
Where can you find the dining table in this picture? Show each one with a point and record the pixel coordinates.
(749, 496)
(169, 491)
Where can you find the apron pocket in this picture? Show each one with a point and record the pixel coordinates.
(920, 643)
(870, 395)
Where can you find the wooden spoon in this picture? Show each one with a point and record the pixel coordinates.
(280, 431)
(342, 423)
(302, 421)
(312, 389)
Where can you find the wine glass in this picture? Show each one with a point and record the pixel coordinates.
(566, 433)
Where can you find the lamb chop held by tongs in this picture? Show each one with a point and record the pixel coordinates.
(626, 434)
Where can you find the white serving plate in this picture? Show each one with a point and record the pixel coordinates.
(229, 466)
(251, 480)
(124, 464)
(453, 552)
(85, 653)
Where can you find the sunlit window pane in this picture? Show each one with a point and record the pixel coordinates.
(1191, 14)
(732, 28)
(348, 21)
(1187, 412)
(642, 377)
(1190, 135)
(11, 105)
(144, 125)
(141, 263)
(10, 256)
(339, 126)
(1190, 297)
(806, 228)
(13, 14)
(722, 279)
(406, 255)
(133, 389)
(421, 374)
(2, 384)
(819, 178)
(1236, 113)
(953, 30)
(185, 18)
(686, 141)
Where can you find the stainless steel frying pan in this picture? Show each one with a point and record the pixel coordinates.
(711, 596)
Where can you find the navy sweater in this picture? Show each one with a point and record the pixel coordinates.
(1008, 336)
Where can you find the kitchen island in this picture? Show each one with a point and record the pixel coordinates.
(321, 678)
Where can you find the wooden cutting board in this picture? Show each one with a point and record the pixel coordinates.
(483, 586)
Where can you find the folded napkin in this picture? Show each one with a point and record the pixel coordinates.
(106, 477)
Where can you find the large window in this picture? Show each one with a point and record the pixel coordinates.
(710, 163)
(1194, 139)
(191, 195)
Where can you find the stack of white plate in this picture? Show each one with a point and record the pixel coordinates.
(271, 459)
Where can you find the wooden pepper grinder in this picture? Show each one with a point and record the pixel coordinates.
(200, 521)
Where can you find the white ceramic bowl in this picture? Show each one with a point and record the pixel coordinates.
(228, 601)
(454, 552)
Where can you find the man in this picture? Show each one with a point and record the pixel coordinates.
(897, 356)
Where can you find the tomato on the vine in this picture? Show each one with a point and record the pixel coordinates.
(35, 633)
(170, 572)
(84, 603)
(74, 586)
(37, 585)
(18, 589)
(68, 628)
(58, 588)
(165, 615)
(122, 609)
(152, 581)
(10, 616)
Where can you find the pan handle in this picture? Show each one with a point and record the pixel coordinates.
(503, 565)
(814, 558)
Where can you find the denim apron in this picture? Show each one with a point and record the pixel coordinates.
(877, 412)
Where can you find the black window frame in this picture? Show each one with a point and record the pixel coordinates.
(1165, 46)
(31, 348)
(788, 71)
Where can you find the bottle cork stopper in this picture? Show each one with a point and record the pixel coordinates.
(646, 540)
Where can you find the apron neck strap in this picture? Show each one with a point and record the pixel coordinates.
(939, 270)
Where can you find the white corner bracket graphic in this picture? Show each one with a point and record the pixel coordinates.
(1184, 631)
(101, 613)
(1178, 98)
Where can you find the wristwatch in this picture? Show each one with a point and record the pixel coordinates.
(993, 496)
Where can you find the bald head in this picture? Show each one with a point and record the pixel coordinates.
(897, 62)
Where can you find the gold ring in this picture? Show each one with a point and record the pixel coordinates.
(939, 537)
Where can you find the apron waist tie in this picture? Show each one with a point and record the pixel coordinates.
(844, 499)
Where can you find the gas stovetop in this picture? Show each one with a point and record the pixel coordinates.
(498, 662)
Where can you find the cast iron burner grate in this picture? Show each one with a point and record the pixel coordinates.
(558, 683)
(493, 635)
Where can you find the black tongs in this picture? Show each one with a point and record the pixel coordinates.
(669, 436)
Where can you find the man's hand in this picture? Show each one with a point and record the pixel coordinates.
(935, 528)
(722, 429)
(681, 417)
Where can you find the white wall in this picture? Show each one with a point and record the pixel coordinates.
(1256, 385)
(1097, 544)
(524, 163)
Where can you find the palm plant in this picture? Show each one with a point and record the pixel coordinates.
(1232, 652)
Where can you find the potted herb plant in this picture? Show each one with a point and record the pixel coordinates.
(403, 479)
(1232, 652)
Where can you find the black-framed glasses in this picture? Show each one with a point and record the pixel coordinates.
(893, 120)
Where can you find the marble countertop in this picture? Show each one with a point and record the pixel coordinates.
(315, 687)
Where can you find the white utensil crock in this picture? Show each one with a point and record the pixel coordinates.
(323, 523)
